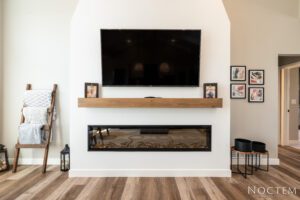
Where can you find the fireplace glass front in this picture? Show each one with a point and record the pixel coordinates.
(149, 138)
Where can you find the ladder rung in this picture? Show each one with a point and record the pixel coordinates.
(31, 145)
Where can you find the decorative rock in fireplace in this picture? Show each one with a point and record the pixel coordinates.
(149, 138)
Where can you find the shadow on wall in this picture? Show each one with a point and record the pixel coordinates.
(57, 134)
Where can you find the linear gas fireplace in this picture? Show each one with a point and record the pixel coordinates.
(149, 138)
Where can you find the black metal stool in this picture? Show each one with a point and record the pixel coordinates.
(248, 156)
(259, 148)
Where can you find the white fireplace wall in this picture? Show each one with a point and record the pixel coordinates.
(207, 15)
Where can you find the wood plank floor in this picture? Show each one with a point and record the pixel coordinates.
(29, 183)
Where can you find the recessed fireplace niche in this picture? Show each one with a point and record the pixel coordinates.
(149, 138)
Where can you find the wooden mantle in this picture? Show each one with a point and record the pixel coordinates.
(149, 103)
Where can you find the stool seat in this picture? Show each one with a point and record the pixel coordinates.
(265, 152)
(258, 146)
(242, 152)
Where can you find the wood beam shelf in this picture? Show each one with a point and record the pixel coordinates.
(149, 103)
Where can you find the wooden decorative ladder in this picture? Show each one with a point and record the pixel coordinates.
(46, 128)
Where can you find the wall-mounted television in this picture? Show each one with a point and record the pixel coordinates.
(150, 57)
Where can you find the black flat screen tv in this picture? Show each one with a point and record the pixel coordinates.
(150, 57)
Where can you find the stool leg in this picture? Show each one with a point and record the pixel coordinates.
(267, 161)
(231, 159)
(238, 162)
(256, 162)
(246, 159)
(259, 157)
(252, 164)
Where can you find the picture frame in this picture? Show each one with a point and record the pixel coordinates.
(91, 90)
(256, 94)
(256, 77)
(210, 90)
(238, 91)
(237, 73)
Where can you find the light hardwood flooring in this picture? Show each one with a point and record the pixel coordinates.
(30, 183)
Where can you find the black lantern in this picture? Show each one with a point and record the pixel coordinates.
(65, 159)
(4, 164)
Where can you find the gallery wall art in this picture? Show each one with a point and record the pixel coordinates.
(238, 91)
(256, 95)
(256, 77)
(238, 73)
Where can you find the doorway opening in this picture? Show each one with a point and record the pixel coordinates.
(289, 76)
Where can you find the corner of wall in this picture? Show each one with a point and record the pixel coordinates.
(226, 10)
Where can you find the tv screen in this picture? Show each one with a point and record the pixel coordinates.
(150, 57)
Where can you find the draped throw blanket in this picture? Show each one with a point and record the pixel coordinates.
(31, 133)
(36, 104)
(37, 98)
(35, 115)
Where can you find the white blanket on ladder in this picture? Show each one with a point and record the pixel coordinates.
(31, 133)
(37, 98)
(34, 102)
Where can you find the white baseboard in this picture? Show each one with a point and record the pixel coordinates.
(263, 161)
(142, 172)
(35, 161)
(150, 173)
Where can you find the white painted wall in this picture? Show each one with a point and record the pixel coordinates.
(90, 16)
(258, 34)
(36, 50)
